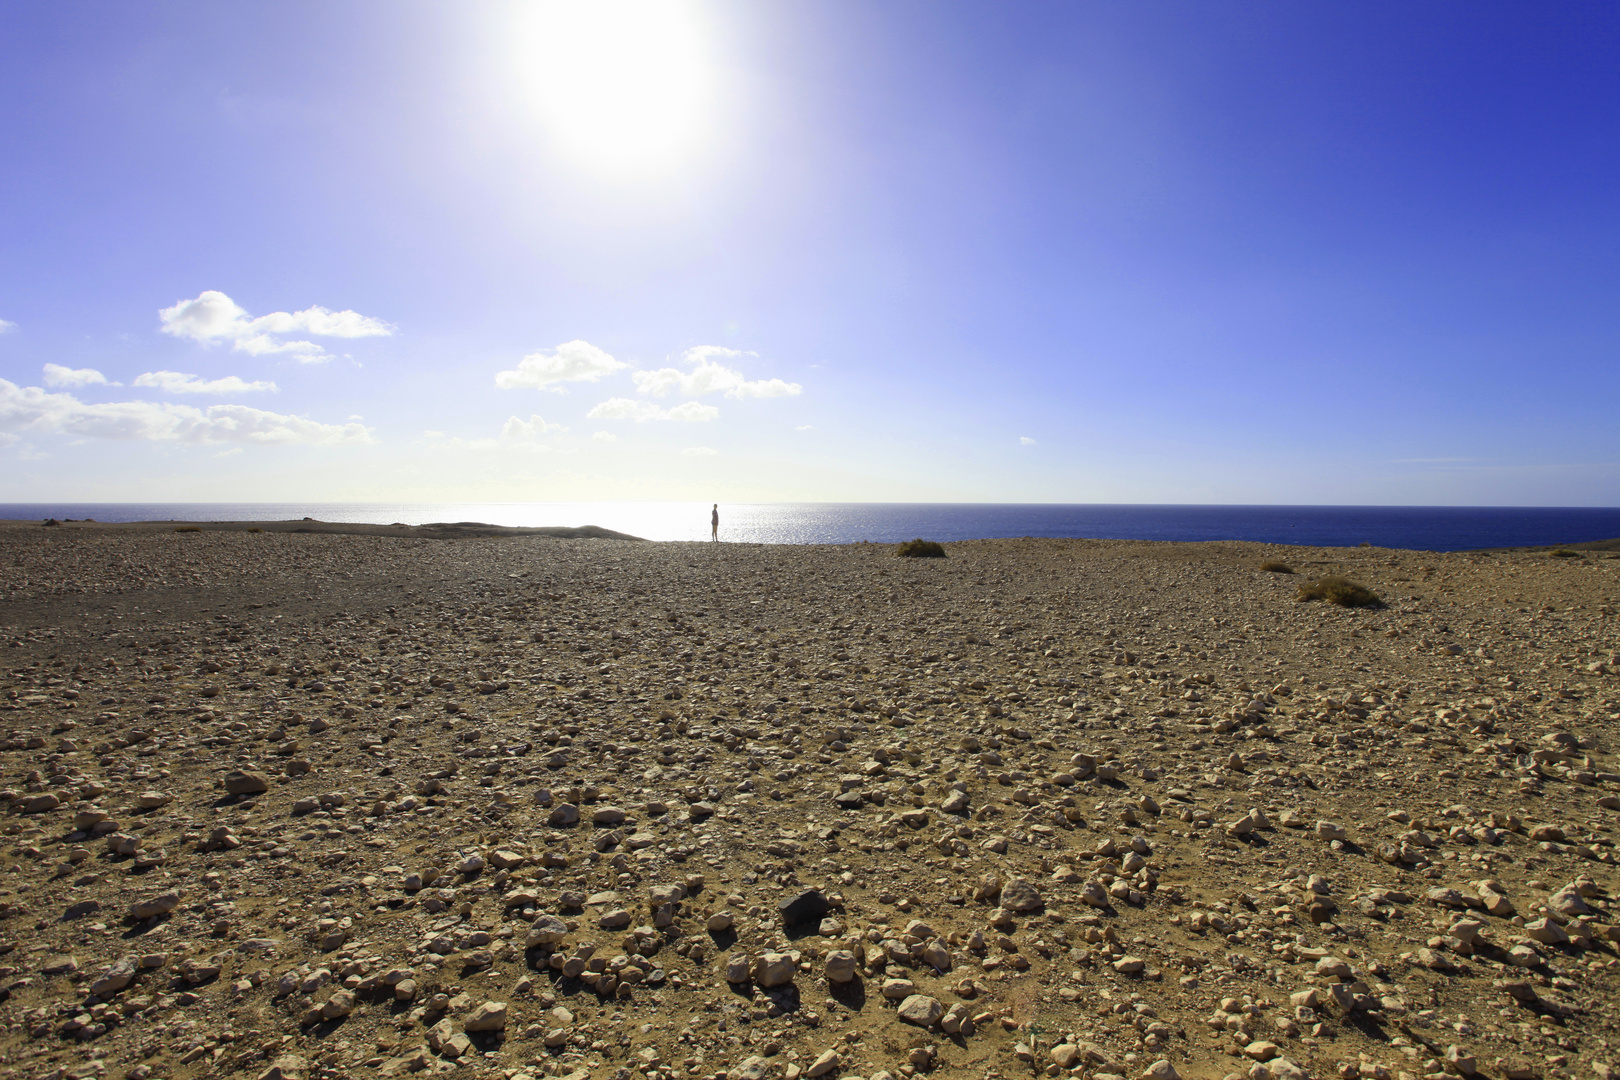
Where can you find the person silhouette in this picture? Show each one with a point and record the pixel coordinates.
(714, 523)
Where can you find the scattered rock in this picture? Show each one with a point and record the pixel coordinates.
(922, 1010)
(154, 906)
(1068, 790)
(773, 969)
(1019, 895)
(841, 966)
(239, 782)
(490, 1016)
(824, 1063)
(807, 907)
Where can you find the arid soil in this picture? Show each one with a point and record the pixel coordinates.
(304, 805)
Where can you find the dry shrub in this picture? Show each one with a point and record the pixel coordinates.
(188, 528)
(1277, 567)
(1341, 591)
(256, 529)
(920, 549)
(1564, 553)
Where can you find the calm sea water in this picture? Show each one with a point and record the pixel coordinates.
(1430, 528)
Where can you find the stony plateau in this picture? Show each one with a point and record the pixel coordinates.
(318, 805)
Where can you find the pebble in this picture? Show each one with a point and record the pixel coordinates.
(154, 906)
(240, 782)
(490, 1016)
(922, 1010)
(1019, 804)
(841, 966)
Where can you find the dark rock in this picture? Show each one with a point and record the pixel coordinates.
(806, 908)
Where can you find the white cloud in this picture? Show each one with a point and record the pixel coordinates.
(604, 436)
(691, 412)
(629, 409)
(7, 327)
(35, 410)
(621, 408)
(572, 361)
(698, 451)
(709, 377)
(805, 427)
(1025, 440)
(516, 434)
(57, 375)
(173, 382)
(214, 317)
(529, 431)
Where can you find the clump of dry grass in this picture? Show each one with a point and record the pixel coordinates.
(188, 528)
(1564, 553)
(1340, 591)
(1277, 567)
(256, 529)
(920, 549)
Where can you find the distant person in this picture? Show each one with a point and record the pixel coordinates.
(714, 523)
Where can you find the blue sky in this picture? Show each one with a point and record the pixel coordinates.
(1052, 252)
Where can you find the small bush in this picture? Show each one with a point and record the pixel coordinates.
(1277, 567)
(188, 528)
(920, 549)
(1341, 591)
(1564, 553)
(256, 529)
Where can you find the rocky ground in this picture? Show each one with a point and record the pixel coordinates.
(309, 805)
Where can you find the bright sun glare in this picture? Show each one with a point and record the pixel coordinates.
(622, 85)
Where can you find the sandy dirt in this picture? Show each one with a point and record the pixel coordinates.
(365, 802)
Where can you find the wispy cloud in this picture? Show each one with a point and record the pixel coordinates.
(31, 409)
(57, 375)
(516, 434)
(213, 317)
(1025, 440)
(707, 376)
(698, 451)
(529, 431)
(572, 361)
(174, 382)
(604, 436)
(7, 327)
(641, 411)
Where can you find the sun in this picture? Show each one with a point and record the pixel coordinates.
(620, 85)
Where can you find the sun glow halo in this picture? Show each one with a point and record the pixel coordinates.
(621, 85)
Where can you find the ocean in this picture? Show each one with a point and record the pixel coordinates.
(1426, 528)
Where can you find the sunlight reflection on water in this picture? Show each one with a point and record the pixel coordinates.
(1443, 528)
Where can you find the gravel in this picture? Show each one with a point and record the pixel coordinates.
(327, 805)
